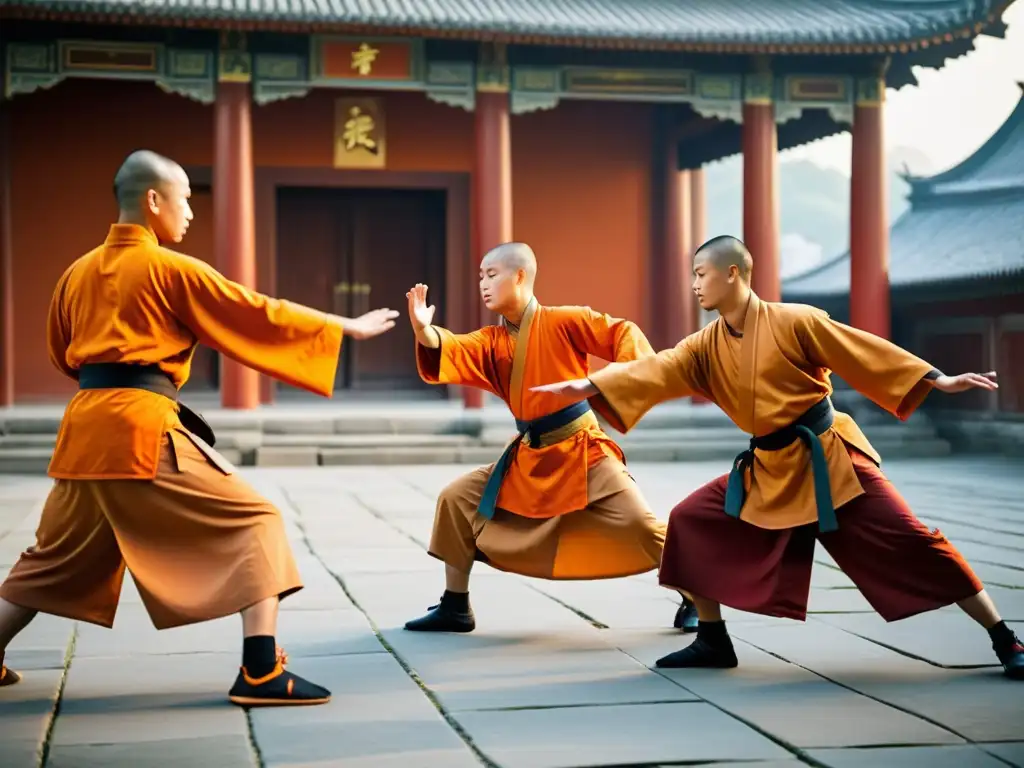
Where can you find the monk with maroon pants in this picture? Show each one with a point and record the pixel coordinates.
(747, 539)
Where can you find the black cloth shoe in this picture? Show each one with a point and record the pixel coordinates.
(443, 617)
(8, 677)
(686, 617)
(1011, 655)
(711, 648)
(280, 688)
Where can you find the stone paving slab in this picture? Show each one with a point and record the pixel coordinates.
(378, 717)
(25, 713)
(613, 736)
(795, 705)
(907, 757)
(233, 751)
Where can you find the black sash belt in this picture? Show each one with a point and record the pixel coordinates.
(149, 378)
(807, 428)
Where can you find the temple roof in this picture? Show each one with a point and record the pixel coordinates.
(806, 26)
(963, 224)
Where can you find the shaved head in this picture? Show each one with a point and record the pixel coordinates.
(723, 252)
(513, 256)
(140, 172)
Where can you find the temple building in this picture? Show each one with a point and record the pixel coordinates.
(341, 152)
(956, 275)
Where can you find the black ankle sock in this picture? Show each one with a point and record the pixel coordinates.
(1002, 635)
(455, 601)
(713, 633)
(259, 655)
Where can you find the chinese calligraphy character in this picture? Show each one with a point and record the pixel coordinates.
(359, 131)
(363, 58)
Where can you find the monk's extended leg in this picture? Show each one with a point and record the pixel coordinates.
(456, 528)
(13, 619)
(902, 568)
(722, 561)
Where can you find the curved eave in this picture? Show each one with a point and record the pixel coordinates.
(928, 187)
(927, 44)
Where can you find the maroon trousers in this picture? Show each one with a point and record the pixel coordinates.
(900, 566)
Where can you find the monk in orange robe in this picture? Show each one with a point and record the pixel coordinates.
(747, 539)
(133, 486)
(559, 503)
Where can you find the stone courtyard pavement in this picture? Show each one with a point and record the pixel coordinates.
(556, 675)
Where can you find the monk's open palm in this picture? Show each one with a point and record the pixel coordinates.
(419, 313)
(966, 381)
(371, 324)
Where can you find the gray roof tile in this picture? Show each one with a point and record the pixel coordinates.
(967, 222)
(692, 21)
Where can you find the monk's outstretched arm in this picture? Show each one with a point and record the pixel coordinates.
(457, 358)
(609, 338)
(293, 343)
(630, 390)
(886, 374)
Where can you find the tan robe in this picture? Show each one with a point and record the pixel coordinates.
(765, 381)
(568, 509)
(132, 485)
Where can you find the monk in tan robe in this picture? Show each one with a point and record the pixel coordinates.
(134, 488)
(559, 503)
(747, 539)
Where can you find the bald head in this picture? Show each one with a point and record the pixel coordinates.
(513, 257)
(142, 171)
(723, 252)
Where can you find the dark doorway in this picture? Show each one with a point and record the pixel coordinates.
(347, 251)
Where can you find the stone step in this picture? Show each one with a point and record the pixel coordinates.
(379, 440)
(24, 461)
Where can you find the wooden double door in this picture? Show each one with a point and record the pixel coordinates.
(347, 251)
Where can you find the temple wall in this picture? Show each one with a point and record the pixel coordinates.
(581, 185)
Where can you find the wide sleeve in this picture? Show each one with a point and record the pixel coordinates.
(886, 374)
(462, 358)
(58, 329)
(290, 342)
(631, 389)
(609, 338)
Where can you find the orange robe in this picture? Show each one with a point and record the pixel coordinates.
(551, 480)
(133, 487)
(132, 301)
(765, 381)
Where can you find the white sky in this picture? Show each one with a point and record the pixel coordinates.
(953, 110)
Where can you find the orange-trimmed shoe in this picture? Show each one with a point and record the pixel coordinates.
(8, 677)
(280, 688)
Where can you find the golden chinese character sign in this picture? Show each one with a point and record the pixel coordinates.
(366, 60)
(359, 138)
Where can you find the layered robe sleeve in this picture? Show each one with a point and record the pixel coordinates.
(464, 359)
(632, 389)
(293, 343)
(58, 330)
(886, 374)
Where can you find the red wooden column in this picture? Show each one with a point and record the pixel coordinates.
(698, 236)
(869, 202)
(492, 173)
(761, 184)
(233, 209)
(678, 299)
(6, 261)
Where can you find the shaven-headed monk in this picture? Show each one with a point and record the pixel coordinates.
(747, 539)
(135, 487)
(559, 503)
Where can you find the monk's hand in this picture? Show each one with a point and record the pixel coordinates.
(575, 389)
(966, 381)
(420, 315)
(373, 323)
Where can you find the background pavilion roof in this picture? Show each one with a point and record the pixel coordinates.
(856, 26)
(963, 224)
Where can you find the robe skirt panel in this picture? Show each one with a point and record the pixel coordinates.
(199, 542)
(900, 566)
(615, 535)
